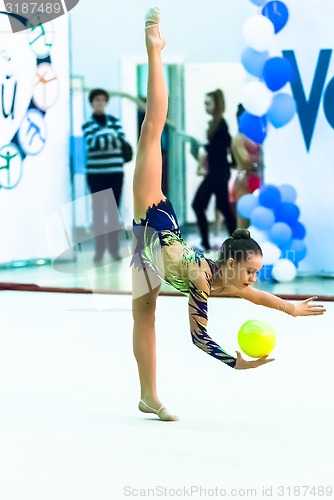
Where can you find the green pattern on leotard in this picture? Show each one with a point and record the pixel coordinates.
(160, 230)
(152, 256)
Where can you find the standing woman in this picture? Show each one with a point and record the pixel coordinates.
(218, 168)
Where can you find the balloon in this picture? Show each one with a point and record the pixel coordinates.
(284, 271)
(277, 72)
(282, 110)
(269, 196)
(257, 235)
(271, 253)
(256, 338)
(299, 249)
(265, 272)
(296, 252)
(256, 98)
(258, 2)
(246, 204)
(254, 61)
(298, 231)
(258, 32)
(287, 212)
(288, 193)
(262, 217)
(280, 234)
(254, 127)
(278, 14)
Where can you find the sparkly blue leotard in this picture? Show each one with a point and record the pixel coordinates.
(160, 229)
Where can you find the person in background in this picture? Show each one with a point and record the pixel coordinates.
(217, 168)
(105, 171)
(248, 158)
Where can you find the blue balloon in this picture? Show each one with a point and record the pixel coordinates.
(253, 127)
(277, 72)
(262, 218)
(258, 2)
(278, 14)
(287, 212)
(299, 247)
(296, 251)
(265, 273)
(280, 234)
(298, 231)
(246, 204)
(282, 110)
(288, 193)
(254, 61)
(269, 196)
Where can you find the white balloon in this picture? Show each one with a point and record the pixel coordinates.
(258, 235)
(271, 253)
(284, 271)
(258, 32)
(256, 98)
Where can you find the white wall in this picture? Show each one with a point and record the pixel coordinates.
(45, 182)
(106, 31)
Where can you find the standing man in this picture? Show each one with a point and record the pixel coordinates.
(105, 170)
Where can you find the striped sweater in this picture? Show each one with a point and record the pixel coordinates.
(103, 145)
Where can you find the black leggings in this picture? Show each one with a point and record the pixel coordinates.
(218, 185)
(106, 232)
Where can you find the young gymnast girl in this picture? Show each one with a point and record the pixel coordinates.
(161, 254)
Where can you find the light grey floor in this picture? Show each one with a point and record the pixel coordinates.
(69, 427)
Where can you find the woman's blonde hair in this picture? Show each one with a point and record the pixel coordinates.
(219, 109)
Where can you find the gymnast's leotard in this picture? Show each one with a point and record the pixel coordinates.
(159, 246)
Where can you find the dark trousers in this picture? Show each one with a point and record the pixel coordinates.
(216, 184)
(106, 222)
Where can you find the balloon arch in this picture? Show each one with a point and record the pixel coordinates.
(272, 210)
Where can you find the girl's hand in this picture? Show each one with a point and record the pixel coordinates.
(308, 308)
(242, 364)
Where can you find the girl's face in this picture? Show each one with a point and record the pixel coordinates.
(209, 105)
(244, 273)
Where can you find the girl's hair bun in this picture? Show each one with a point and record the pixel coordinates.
(241, 234)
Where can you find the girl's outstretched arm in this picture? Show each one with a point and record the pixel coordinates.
(305, 307)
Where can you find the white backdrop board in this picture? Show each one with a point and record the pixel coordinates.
(34, 135)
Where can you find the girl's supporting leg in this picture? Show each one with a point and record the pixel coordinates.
(148, 171)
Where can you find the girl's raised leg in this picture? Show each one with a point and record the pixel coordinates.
(148, 170)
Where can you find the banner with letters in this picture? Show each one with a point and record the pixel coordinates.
(34, 133)
(302, 152)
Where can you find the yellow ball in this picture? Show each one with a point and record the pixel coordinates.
(256, 338)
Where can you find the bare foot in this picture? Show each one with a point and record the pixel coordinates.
(152, 29)
(157, 409)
